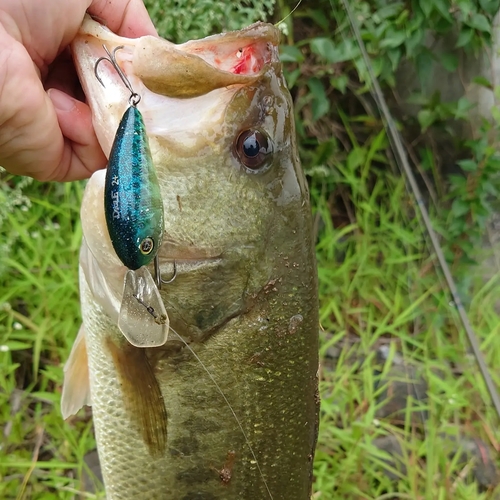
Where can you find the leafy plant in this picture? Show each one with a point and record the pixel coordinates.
(183, 20)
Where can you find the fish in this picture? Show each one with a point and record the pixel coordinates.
(228, 406)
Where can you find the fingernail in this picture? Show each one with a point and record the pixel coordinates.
(60, 100)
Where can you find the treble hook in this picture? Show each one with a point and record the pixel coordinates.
(134, 98)
(158, 279)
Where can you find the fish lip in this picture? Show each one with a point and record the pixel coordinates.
(192, 260)
(173, 251)
(173, 267)
(187, 258)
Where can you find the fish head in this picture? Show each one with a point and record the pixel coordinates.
(219, 119)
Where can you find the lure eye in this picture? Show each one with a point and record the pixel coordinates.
(146, 246)
(254, 149)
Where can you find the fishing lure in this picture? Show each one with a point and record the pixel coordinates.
(133, 209)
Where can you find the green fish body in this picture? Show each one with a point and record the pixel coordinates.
(238, 227)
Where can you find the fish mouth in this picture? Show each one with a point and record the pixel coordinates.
(193, 68)
(175, 250)
(192, 83)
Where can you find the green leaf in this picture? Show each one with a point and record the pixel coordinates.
(459, 207)
(346, 50)
(490, 7)
(393, 39)
(426, 118)
(290, 53)
(466, 7)
(479, 22)
(458, 181)
(356, 158)
(15, 345)
(318, 16)
(484, 82)
(418, 99)
(292, 77)
(443, 7)
(467, 165)
(449, 61)
(495, 113)
(464, 37)
(325, 48)
(427, 7)
(413, 42)
(340, 82)
(462, 108)
(491, 189)
(390, 11)
(320, 103)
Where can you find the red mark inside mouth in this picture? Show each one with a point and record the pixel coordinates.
(250, 60)
(244, 57)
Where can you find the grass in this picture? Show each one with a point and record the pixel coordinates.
(379, 292)
(40, 456)
(379, 288)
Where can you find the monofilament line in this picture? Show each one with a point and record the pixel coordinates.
(402, 161)
(247, 441)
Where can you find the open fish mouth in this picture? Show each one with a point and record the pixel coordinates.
(191, 83)
(241, 53)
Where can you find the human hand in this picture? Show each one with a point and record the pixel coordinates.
(48, 135)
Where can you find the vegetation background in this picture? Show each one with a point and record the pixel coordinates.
(405, 413)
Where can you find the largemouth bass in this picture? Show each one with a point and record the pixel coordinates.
(235, 414)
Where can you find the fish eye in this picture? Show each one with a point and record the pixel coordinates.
(254, 149)
(146, 246)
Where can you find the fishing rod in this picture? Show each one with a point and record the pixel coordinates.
(404, 166)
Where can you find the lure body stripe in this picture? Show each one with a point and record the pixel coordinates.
(132, 200)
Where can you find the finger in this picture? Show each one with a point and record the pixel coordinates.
(62, 76)
(30, 139)
(125, 17)
(82, 154)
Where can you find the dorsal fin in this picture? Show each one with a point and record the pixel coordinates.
(76, 386)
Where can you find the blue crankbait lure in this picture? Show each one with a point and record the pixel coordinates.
(132, 200)
(133, 209)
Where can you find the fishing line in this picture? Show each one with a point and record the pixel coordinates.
(289, 14)
(230, 407)
(402, 161)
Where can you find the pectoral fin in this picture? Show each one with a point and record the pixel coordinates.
(76, 387)
(141, 394)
